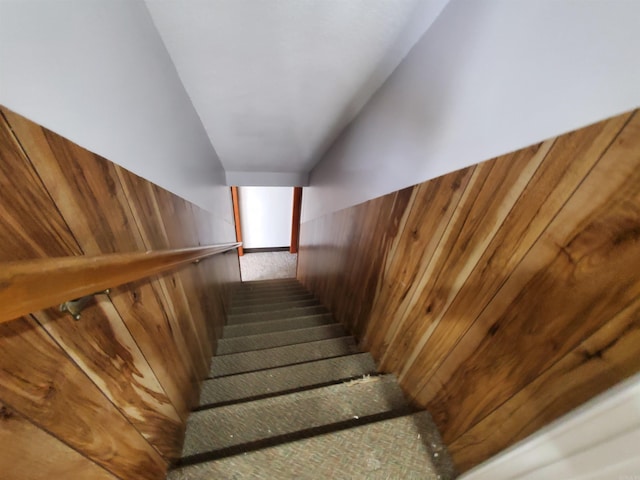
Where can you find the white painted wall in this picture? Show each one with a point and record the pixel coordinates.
(98, 73)
(488, 77)
(265, 216)
(599, 440)
(274, 82)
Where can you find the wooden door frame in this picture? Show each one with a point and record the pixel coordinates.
(236, 217)
(295, 220)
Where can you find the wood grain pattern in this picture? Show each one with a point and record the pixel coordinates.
(605, 358)
(63, 278)
(493, 283)
(113, 361)
(117, 386)
(30, 452)
(22, 239)
(40, 382)
(295, 220)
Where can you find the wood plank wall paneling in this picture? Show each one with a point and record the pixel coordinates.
(29, 452)
(502, 295)
(111, 392)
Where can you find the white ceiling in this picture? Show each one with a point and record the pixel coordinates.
(275, 81)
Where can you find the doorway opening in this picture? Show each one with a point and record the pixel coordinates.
(268, 224)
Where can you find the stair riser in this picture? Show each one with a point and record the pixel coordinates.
(273, 307)
(277, 380)
(275, 315)
(281, 356)
(224, 427)
(272, 281)
(276, 326)
(268, 300)
(279, 339)
(268, 295)
(260, 288)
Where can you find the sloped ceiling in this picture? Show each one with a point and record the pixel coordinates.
(274, 82)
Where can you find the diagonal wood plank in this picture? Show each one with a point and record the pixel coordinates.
(605, 358)
(38, 380)
(567, 163)
(577, 277)
(27, 451)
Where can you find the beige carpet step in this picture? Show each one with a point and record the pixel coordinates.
(284, 379)
(275, 315)
(279, 339)
(234, 425)
(407, 448)
(268, 299)
(268, 296)
(222, 365)
(247, 292)
(258, 328)
(271, 307)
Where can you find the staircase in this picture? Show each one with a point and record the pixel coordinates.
(292, 397)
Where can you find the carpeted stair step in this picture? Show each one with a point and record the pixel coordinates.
(407, 447)
(280, 418)
(265, 286)
(279, 339)
(284, 292)
(222, 365)
(246, 386)
(275, 315)
(257, 328)
(270, 307)
(269, 299)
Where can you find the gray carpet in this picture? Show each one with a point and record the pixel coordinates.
(301, 402)
(404, 448)
(267, 265)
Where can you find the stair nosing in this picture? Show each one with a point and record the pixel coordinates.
(263, 396)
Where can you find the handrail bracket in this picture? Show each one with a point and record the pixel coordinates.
(74, 307)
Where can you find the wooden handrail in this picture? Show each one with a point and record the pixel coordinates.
(31, 285)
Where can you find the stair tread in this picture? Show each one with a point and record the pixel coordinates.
(235, 319)
(407, 447)
(281, 356)
(234, 425)
(260, 308)
(279, 339)
(270, 299)
(282, 379)
(257, 328)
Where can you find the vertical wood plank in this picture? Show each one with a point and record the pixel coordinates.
(27, 451)
(41, 383)
(510, 281)
(105, 350)
(161, 226)
(586, 268)
(29, 225)
(85, 190)
(568, 162)
(605, 358)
